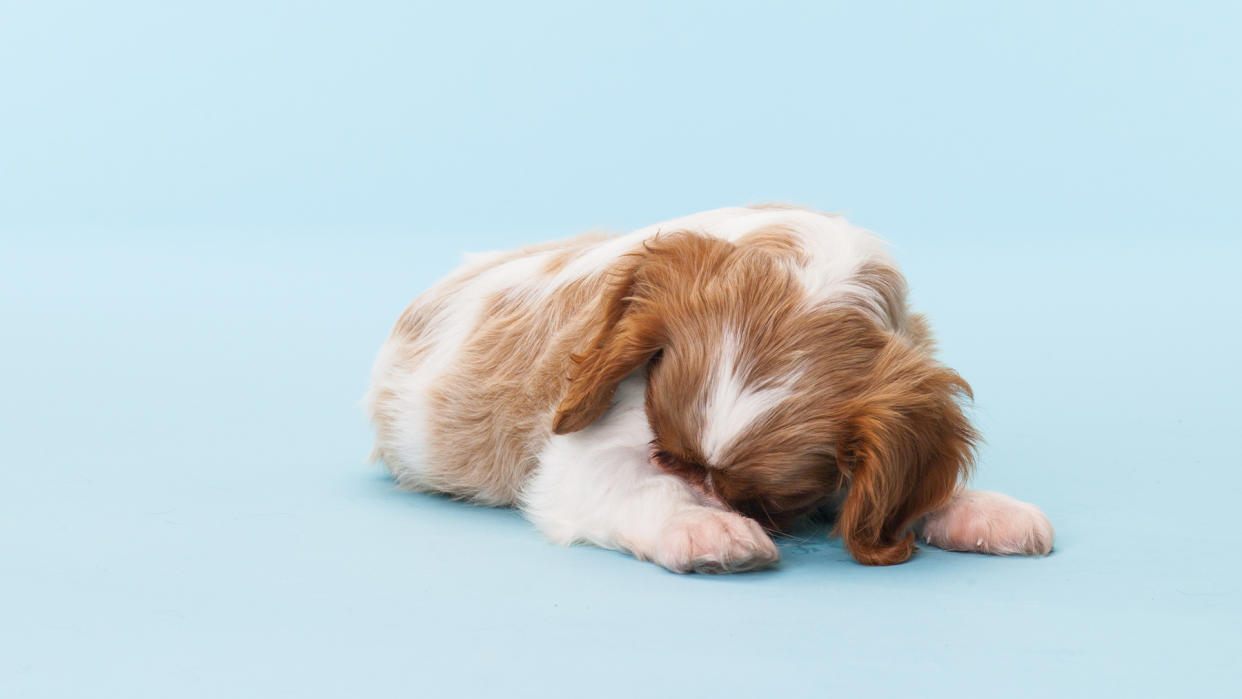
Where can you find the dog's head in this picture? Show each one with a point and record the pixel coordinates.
(771, 400)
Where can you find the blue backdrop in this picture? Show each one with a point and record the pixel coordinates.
(212, 212)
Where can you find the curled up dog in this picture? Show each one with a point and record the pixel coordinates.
(680, 391)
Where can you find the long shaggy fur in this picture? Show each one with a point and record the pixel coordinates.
(669, 391)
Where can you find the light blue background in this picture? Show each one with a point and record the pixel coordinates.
(212, 212)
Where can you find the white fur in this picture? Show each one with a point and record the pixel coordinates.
(598, 486)
(836, 248)
(731, 406)
(987, 522)
(451, 325)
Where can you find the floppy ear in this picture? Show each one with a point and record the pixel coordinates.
(630, 325)
(910, 446)
(627, 333)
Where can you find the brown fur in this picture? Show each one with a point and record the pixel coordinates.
(872, 409)
(490, 413)
(777, 241)
(872, 414)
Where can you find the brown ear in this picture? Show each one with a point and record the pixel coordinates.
(621, 347)
(910, 446)
(647, 286)
(627, 333)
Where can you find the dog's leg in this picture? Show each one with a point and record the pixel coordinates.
(987, 522)
(598, 486)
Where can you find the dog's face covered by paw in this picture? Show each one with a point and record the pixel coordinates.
(772, 392)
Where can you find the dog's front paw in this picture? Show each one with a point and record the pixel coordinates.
(705, 540)
(978, 520)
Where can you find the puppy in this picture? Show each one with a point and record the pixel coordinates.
(676, 391)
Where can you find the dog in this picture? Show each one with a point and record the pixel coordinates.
(680, 391)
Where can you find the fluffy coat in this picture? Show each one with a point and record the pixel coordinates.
(676, 391)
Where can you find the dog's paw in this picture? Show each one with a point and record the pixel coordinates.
(978, 520)
(705, 540)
